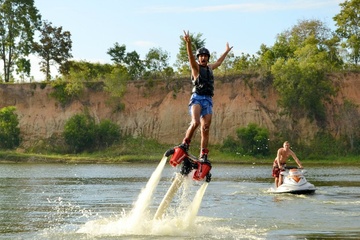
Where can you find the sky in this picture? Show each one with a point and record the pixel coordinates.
(96, 25)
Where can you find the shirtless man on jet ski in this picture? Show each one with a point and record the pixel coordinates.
(280, 162)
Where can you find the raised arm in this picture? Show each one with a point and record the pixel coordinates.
(193, 64)
(222, 58)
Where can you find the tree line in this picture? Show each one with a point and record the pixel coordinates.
(21, 21)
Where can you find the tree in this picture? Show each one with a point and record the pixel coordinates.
(182, 61)
(304, 29)
(299, 60)
(227, 64)
(23, 68)
(54, 46)
(301, 83)
(19, 19)
(134, 65)
(156, 61)
(348, 22)
(130, 60)
(117, 53)
(297, 37)
(9, 128)
(86, 71)
(245, 62)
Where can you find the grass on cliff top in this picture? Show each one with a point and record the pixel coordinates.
(142, 150)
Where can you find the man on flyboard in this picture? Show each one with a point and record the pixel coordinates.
(200, 109)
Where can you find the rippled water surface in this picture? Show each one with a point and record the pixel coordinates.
(95, 201)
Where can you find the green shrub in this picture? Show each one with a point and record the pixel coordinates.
(79, 132)
(107, 133)
(231, 145)
(9, 130)
(252, 140)
(324, 144)
(59, 93)
(65, 92)
(82, 134)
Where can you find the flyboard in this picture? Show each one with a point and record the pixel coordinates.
(190, 165)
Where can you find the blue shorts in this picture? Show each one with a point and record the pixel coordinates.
(205, 102)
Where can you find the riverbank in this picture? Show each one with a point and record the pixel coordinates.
(110, 157)
(140, 150)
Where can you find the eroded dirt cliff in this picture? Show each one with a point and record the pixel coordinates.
(162, 114)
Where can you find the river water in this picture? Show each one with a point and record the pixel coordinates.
(118, 201)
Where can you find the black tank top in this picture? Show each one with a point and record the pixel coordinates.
(204, 84)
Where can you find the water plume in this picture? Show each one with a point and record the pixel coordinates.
(178, 221)
(144, 199)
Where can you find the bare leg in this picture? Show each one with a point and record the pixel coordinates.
(280, 180)
(276, 182)
(205, 129)
(195, 121)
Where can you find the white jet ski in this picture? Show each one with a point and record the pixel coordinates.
(295, 182)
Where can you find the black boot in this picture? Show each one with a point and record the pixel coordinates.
(204, 155)
(185, 144)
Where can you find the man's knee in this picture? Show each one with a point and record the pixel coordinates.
(195, 123)
(205, 127)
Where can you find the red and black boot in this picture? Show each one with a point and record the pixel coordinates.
(204, 167)
(204, 155)
(179, 153)
(185, 145)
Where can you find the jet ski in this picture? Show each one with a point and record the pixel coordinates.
(295, 182)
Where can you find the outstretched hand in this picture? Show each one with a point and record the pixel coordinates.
(186, 36)
(228, 48)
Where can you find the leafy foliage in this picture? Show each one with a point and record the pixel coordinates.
(107, 133)
(86, 71)
(64, 92)
(19, 19)
(348, 22)
(115, 85)
(252, 140)
(81, 133)
(300, 80)
(55, 45)
(23, 68)
(182, 61)
(231, 145)
(156, 61)
(9, 128)
(130, 60)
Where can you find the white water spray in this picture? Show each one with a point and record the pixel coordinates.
(140, 221)
(195, 205)
(144, 199)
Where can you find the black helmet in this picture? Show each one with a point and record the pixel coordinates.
(202, 50)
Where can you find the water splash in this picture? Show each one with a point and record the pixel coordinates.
(195, 205)
(139, 221)
(144, 199)
(177, 182)
(132, 223)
